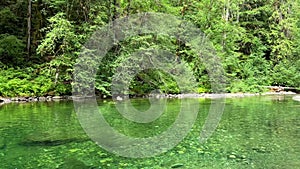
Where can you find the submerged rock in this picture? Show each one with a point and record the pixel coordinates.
(232, 156)
(2, 144)
(74, 164)
(177, 165)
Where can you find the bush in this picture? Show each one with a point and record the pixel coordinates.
(24, 82)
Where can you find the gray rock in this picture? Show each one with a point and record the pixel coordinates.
(232, 156)
(5, 100)
(119, 98)
(22, 99)
(14, 99)
(49, 98)
(57, 97)
(42, 99)
(70, 97)
(296, 98)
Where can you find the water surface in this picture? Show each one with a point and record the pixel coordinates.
(254, 132)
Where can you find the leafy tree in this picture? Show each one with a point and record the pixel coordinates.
(11, 50)
(60, 46)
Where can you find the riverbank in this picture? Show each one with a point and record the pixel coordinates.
(5, 100)
(222, 95)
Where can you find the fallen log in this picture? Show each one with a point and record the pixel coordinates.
(281, 88)
(52, 139)
(52, 142)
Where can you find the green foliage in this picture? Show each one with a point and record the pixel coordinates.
(257, 43)
(61, 43)
(11, 50)
(287, 73)
(7, 16)
(248, 85)
(60, 37)
(147, 81)
(202, 90)
(24, 82)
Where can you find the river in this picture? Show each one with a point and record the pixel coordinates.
(254, 132)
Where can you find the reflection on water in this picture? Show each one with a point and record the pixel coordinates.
(254, 132)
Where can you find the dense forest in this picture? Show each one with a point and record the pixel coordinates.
(40, 40)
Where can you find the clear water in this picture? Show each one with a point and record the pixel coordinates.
(254, 132)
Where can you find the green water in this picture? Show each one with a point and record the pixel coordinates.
(255, 132)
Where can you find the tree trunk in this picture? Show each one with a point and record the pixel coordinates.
(116, 9)
(128, 7)
(56, 75)
(226, 18)
(29, 29)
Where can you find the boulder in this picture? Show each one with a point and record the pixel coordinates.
(49, 98)
(14, 99)
(57, 97)
(22, 99)
(4, 100)
(119, 98)
(42, 99)
(296, 98)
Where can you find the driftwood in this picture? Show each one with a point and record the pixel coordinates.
(281, 88)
